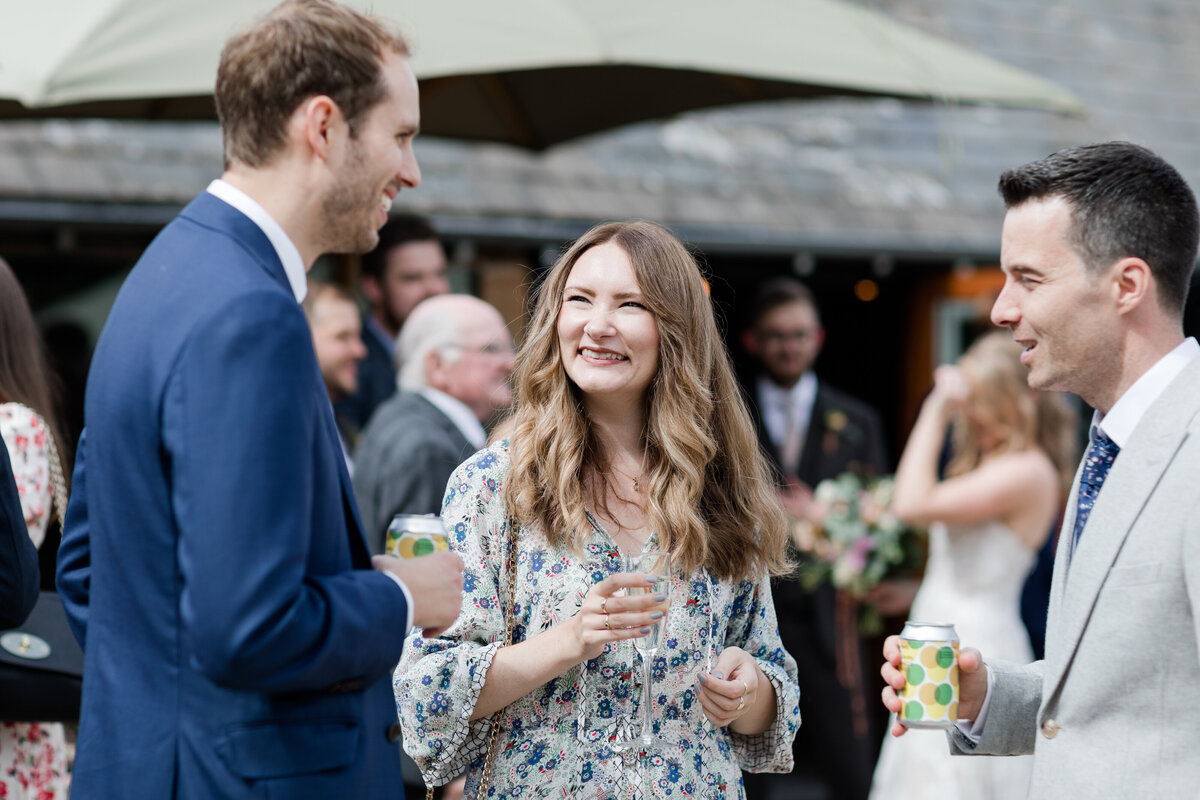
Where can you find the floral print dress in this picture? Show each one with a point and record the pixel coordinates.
(570, 738)
(33, 756)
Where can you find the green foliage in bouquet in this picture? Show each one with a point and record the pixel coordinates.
(854, 540)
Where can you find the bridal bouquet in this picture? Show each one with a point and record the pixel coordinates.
(852, 539)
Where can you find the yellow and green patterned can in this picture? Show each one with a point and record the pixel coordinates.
(412, 535)
(929, 655)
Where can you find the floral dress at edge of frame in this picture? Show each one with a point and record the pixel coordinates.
(564, 738)
(33, 755)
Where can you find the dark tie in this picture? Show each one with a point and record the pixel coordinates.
(1100, 455)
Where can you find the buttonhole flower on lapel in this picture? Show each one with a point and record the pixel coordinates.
(837, 426)
(836, 420)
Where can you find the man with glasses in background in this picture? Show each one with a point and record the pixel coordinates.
(811, 431)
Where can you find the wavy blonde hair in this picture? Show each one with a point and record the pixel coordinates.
(710, 497)
(1017, 416)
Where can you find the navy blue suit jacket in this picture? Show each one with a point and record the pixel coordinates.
(236, 642)
(19, 575)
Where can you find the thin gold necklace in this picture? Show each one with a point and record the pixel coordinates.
(637, 479)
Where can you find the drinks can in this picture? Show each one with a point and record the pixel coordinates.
(929, 655)
(412, 535)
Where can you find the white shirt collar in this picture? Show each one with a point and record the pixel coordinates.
(1127, 412)
(773, 402)
(289, 256)
(463, 418)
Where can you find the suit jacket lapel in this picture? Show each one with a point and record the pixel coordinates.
(438, 419)
(212, 212)
(1079, 576)
(754, 402)
(360, 553)
(1058, 583)
(1133, 477)
(810, 469)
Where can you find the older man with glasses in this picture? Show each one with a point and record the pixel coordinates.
(453, 359)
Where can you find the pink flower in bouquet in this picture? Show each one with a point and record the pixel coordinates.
(868, 511)
(855, 541)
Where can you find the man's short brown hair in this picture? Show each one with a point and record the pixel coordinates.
(320, 291)
(301, 49)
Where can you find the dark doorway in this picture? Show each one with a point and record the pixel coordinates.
(866, 313)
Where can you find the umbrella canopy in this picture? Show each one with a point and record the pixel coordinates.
(527, 72)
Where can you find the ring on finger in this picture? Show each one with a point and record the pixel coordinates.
(747, 688)
(607, 627)
(741, 704)
(604, 606)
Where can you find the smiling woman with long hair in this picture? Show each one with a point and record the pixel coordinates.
(33, 758)
(629, 434)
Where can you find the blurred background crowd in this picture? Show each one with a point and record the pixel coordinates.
(850, 248)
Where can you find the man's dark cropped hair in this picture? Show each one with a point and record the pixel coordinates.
(399, 230)
(1125, 202)
(778, 292)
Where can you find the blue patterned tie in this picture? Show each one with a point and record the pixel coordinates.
(1100, 456)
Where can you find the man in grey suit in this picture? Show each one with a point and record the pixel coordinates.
(453, 359)
(1098, 248)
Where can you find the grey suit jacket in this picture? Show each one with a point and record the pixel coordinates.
(403, 460)
(1112, 710)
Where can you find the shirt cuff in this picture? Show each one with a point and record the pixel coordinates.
(973, 729)
(408, 601)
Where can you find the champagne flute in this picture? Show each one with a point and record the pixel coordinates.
(656, 564)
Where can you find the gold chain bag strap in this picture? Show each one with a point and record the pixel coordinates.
(58, 481)
(510, 622)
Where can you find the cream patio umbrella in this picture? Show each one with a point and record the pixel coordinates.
(527, 72)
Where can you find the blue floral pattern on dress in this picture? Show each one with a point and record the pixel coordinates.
(566, 738)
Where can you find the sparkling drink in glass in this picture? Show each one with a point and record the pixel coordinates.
(656, 564)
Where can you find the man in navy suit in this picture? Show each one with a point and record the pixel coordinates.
(237, 642)
(18, 556)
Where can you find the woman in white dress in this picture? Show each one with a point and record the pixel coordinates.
(1002, 494)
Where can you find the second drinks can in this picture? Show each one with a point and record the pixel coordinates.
(929, 655)
(412, 535)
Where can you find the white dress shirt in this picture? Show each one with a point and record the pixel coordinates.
(1127, 412)
(297, 276)
(782, 408)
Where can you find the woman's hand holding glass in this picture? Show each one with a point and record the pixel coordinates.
(655, 566)
(609, 614)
